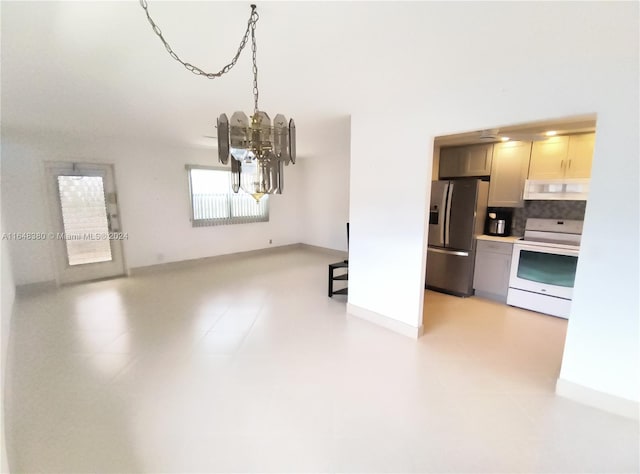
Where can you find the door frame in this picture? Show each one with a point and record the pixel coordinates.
(57, 246)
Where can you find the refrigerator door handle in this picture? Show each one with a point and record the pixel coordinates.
(443, 210)
(458, 253)
(447, 221)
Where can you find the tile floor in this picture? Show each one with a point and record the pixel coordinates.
(246, 365)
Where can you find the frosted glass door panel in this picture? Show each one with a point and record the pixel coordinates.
(84, 216)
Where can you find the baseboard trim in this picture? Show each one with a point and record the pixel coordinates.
(229, 256)
(338, 253)
(214, 258)
(491, 296)
(30, 288)
(603, 401)
(386, 322)
(38, 287)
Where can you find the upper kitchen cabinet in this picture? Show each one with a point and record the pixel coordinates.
(509, 169)
(450, 159)
(548, 158)
(580, 155)
(465, 161)
(562, 157)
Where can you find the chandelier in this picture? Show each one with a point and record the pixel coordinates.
(258, 149)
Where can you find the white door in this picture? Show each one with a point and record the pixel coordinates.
(84, 207)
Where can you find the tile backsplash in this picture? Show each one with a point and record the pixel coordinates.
(546, 210)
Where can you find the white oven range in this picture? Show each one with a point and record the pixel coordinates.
(543, 266)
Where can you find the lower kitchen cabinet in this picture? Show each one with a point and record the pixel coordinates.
(493, 265)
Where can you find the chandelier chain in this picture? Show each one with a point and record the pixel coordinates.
(255, 67)
(251, 26)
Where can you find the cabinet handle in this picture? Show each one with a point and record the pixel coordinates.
(562, 164)
(569, 164)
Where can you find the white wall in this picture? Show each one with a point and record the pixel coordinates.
(388, 202)
(470, 66)
(7, 296)
(601, 349)
(325, 187)
(154, 203)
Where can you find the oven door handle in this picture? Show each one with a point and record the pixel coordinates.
(548, 250)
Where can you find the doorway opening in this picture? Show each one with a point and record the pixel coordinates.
(537, 175)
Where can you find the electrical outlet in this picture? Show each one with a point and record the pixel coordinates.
(270, 241)
(160, 257)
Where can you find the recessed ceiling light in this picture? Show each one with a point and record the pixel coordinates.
(551, 133)
(505, 139)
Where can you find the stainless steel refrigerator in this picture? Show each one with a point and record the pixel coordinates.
(456, 215)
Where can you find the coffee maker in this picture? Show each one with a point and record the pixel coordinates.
(498, 222)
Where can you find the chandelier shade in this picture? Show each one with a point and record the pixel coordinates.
(260, 148)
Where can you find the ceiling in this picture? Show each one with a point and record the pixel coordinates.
(526, 132)
(97, 68)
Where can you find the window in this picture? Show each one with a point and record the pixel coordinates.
(213, 202)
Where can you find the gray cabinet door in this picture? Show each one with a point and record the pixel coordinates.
(450, 162)
(477, 160)
(492, 269)
(465, 161)
(508, 174)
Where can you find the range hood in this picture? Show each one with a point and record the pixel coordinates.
(556, 189)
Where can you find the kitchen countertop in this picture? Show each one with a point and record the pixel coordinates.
(495, 238)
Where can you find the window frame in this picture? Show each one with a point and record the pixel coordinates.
(231, 220)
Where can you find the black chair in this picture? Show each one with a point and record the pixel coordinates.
(342, 277)
(347, 260)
